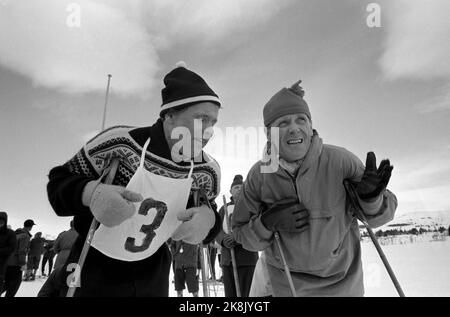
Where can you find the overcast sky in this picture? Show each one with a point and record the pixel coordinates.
(385, 89)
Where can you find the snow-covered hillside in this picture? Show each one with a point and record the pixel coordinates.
(429, 220)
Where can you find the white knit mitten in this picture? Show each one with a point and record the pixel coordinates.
(198, 221)
(110, 204)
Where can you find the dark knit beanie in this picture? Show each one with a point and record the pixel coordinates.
(286, 101)
(183, 87)
(238, 180)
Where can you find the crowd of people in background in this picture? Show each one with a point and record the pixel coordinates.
(21, 254)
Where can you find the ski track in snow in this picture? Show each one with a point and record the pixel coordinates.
(422, 269)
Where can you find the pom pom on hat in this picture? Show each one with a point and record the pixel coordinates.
(181, 64)
(297, 89)
(238, 180)
(286, 101)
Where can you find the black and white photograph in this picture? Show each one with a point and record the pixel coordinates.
(241, 150)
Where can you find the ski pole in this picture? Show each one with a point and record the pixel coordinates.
(286, 268)
(111, 170)
(360, 214)
(94, 223)
(196, 197)
(106, 102)
(233, 255)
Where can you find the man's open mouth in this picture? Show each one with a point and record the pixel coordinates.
(295, 141)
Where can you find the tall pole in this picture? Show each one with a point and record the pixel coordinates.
(110, 172)
(106, 102)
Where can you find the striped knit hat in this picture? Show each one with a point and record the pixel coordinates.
(183, 88)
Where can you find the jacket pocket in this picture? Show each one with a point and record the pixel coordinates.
(314, 250)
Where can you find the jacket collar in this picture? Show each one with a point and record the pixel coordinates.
(315, 149)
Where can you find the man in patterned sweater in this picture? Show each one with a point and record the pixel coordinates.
(186, 97)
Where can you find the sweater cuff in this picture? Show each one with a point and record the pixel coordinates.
(373, 207)
(214, 230)
(260, 230)
(79, 207)
(88, 191)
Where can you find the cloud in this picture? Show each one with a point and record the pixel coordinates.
(422, 182)
(417, 44)
(37, 42)
(439, 102)
(427, 170)
(204, 21)
(122, 38)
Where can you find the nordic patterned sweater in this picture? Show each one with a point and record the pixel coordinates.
(66, 182)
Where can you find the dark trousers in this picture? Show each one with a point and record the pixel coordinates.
(54, 286)
(13, 279)
(105, 277)
(186, 275)
(33, 261)
(212, 259)
(245, 276)
(50, 264)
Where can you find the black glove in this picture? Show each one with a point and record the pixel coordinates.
(228, 241)
(287, 216)
(374, 181)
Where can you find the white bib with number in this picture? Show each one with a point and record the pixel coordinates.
(155, 219)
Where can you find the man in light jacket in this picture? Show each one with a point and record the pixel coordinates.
(304, 200)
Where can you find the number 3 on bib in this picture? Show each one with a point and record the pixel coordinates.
(148, 230)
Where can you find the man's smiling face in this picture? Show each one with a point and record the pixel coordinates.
(295, 133)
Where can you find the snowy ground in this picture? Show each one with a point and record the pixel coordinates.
(422, 268)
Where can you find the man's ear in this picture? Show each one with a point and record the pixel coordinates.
(311, 126)
(169, 117)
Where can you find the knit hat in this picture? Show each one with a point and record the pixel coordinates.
(238, 180)
(286, 101)
(183, 87)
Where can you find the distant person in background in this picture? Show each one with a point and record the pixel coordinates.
(34, 256)
(48, 256)
(18, 260)
(63, 245)
(245, 260)
(185, 258)
(8, 244)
